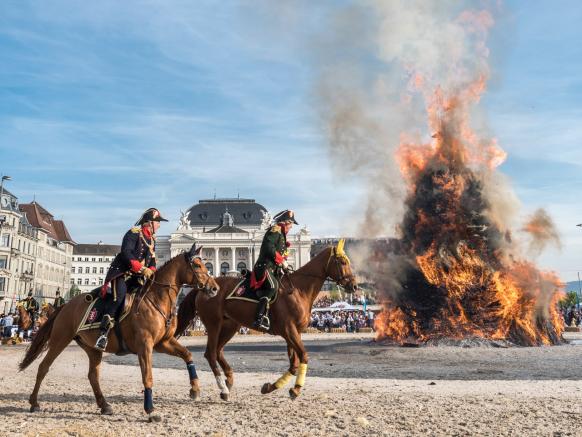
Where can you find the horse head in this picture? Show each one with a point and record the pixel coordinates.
(199, 278)
(339, 268)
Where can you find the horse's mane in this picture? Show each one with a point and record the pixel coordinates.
(167, 263)
(309, 264)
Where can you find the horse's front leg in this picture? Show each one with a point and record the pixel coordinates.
(287, 376)
(174, 348)
(145, 362)
(293, 338)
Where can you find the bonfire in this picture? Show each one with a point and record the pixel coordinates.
(459, 274)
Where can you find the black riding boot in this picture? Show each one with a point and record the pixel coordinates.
(106, 325)
(262, 319)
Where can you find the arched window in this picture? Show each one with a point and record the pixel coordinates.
(209, 268)
(240, 266)
(224, 268)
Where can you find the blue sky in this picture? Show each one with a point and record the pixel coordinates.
(109, 108)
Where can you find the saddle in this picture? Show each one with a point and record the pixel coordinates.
(243, 291)
(95, 311)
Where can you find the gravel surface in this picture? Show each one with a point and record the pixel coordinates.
(368, 390)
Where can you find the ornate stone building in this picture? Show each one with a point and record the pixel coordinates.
(231, 232)
(35, 252)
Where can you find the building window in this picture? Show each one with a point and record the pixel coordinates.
(87, 269)
(241, 253)
(72, 281)
(87, 259)
(79, 281)
(101, 270)
(2, 284)
(72, 269)
(224, 268)
(209, 268)
(94, 270)
(5, 241)
(241, 266)
(93, 259)
(100, 260)
(87, 281)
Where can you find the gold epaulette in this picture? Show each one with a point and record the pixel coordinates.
(275, 228)
(135, 229)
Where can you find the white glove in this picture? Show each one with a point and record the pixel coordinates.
(285, 265)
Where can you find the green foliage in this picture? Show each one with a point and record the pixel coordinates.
(569, 300)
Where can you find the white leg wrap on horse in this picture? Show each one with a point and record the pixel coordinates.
(221, 384)
(300, 381)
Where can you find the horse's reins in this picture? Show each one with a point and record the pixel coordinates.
(333, 255)
(170, 286)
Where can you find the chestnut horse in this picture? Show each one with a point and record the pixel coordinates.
(289, 314)
(149, 325)
(24, 320)
(45, 313)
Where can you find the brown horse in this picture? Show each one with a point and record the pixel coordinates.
(290, 315)
(45, 313)
(24, 319)
(149, 325)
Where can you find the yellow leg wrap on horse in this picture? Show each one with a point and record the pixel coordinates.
(283, 380)
(301, 374)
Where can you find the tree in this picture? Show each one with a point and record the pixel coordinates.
(568, 301)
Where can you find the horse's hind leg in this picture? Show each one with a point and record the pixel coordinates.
(174, 348)
(56, 346)
(287, 376)
(229, 329)
(95, 357)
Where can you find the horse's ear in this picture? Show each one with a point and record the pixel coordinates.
(194, 251)
(339, 250)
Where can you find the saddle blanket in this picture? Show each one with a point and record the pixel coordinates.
(94, 312)
(243, 291)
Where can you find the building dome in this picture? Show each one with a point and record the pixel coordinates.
(210, 212)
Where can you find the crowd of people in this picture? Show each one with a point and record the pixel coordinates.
(351, 321)
(571, 316)
(8, 325)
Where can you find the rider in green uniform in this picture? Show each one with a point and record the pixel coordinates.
(271, 264)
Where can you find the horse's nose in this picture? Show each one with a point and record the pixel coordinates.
(354, 287)
(215, 289)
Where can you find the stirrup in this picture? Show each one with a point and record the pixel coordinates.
(263, 323)
(101, 342)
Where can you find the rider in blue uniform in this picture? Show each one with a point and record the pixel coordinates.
(135, 263)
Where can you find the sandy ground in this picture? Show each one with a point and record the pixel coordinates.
(517, 391)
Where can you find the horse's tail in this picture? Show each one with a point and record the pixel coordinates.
(40, 342)
(186, 313)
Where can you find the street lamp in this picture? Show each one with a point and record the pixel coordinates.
(4, 178)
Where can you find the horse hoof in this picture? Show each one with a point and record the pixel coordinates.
(293, 394)
(154, 418)
(224, 396)
(266, 388)
(34, 408)
(195, 395)
(107, 410)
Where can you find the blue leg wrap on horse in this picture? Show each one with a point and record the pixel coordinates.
(192, 371)
(148, 400)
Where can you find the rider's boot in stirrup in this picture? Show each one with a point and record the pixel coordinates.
(262, 319)
(104, 328)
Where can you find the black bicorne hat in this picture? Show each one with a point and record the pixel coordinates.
(286, 215)
(150, 215)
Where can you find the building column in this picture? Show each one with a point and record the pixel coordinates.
(216, 263)
(233, 265)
